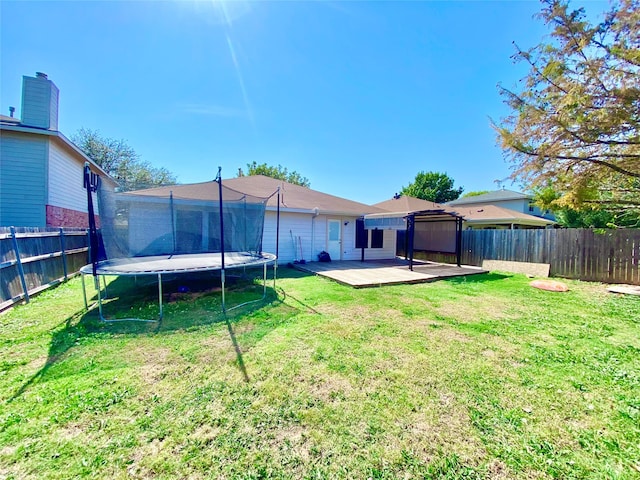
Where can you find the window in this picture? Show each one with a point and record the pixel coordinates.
(376, 238)
(362, 235)
(531, 207)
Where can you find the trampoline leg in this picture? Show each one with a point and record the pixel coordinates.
(264, 281)
(96, 280)
(275, 274)
(104, 282)
(100, 302)
(84, 292)
(160, 294)
(224, 309)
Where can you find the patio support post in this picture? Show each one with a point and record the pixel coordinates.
(275, 264)
(173, 221)
(458, 240)
(411, 230)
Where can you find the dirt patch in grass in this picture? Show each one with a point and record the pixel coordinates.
(497, 470)
(474, 310)
(205, 434)
(138, 467)
(327, 387)
(70, 432)
(217, 349)
(154, 363)
(444, 424)
(294, 438)
(356, 313)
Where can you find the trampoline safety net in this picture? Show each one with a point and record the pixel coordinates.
(156, 222)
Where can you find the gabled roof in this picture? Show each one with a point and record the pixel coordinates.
(492, 214)
(485, 214)
(408, 204)
(495, 196)
(9, 120)
(292, 197)
(10, 126)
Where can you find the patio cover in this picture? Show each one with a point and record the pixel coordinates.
(408, 221)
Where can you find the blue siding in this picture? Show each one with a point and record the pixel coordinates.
(39, 103)
(23, 179)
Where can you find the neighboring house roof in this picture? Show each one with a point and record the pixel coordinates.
(485, 198)
(475, 214)
(492, 214)
(408, 204)
(292, 197)
(17, 127)
(9, 120)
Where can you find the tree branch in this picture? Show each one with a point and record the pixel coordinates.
(596, 161)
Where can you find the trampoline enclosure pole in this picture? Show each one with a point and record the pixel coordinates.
(160, 293)
(222, 279)
(93, 233)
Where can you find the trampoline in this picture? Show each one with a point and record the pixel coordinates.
(152, 233)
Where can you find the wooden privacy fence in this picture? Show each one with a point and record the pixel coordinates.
(32, 259)
(584, 254)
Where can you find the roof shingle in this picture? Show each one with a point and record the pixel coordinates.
(293, 196)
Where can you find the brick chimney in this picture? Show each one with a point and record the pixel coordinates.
(39, 102)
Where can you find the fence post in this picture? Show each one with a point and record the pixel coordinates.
(19, 264)
(64, 254)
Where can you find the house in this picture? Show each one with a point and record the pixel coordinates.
(310, 221)
(474, 215)
(420, 225)
(483, 217)
(517, 201)
(41, 171)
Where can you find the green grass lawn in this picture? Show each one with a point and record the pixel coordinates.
(483, 377)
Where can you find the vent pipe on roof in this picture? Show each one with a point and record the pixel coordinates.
(12, 110)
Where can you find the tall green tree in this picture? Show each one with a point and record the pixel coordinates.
(587, 216)
(575, 121)
(120, 160)
(279, 172)
(475, 193)
(433, 186)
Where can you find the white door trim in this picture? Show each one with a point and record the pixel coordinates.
(334, 246)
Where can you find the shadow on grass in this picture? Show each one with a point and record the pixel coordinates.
(292, 272)
(479, 278)
(189, 304)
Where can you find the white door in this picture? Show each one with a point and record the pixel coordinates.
(334, 239)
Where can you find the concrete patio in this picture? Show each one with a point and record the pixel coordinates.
(375, 273)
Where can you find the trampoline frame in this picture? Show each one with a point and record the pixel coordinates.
(101, 268)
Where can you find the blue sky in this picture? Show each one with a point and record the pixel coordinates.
(356, 96)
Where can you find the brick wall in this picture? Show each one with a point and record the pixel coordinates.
(65, 217)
